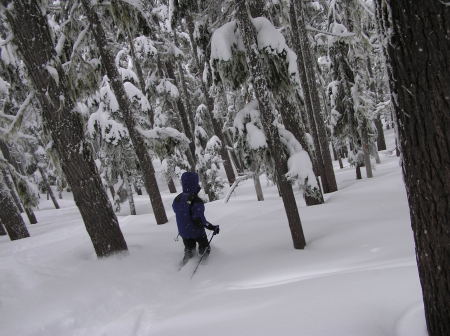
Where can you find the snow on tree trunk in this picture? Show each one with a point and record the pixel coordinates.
(48, 187)
(290, 117)
(117, 85)
(417, 47)
(33, 39)
(264, 98)
(210, 104)
(10, 216)
(329, 185)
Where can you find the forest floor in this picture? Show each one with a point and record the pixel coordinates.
(357, 275)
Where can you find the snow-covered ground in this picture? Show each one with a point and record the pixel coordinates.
(357, 275)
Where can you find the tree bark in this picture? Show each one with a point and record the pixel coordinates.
(381, 142)
(122, 99)
(263, 96)
(33, 39)
(2, 230)
(31, 216)
(10, 216)
(309, 67)
(417, 52)
(48, 187)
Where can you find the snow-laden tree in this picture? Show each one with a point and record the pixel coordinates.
(41, 55)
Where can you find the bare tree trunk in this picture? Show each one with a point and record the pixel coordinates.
(48, 187)
(122, 99)
(258, 189)
(10, 216)
(358, 171)
(341, 165)
(381, 142)
(33, 39)
(171, 185)
(31, 216)
(263, 96)
(417, 47)
(130, 194)
(366, 151)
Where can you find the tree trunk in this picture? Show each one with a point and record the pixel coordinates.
(264, 98)
(366, 151)
(171, 185)
(2, 230)
(381, 142)
(309, 67)
(130, 194)
(210, 105)
(317, 155)
(48, 187)
(10, 216)
(358, 171)
(258, 189)
(122, 99)
(417, 47)
(12, 190)
(33, 39)
(31, 216)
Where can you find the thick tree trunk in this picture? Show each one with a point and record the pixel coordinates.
(2, 230)
(210, 105)
(263, 96)
(10, 216)
(48, 187)
(358, 171)
(309, 67)
(138, 190)
(417, 52)
(122, 99)
(33, 39)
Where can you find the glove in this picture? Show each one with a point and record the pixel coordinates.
(214, 228)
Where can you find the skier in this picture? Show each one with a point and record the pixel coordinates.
(189, 210)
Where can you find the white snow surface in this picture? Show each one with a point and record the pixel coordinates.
(357, 275)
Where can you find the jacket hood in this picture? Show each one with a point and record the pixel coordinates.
(189, 182)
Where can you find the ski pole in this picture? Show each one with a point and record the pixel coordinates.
(201, 258)
(176, 238)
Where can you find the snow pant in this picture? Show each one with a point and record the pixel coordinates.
(190, 244)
